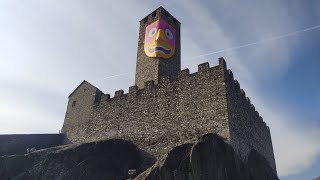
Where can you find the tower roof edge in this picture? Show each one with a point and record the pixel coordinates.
(161, 9)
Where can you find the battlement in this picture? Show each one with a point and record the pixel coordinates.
(246, 102)
(207, 101)
(204, 70)
(247, 126)
(159, 12)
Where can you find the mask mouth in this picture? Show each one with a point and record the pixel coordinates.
(159, 48)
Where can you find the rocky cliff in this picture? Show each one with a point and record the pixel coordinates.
(209, 158)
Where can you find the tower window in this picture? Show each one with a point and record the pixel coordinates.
(74, 103)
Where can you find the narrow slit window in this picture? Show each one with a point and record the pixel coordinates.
(74, 103)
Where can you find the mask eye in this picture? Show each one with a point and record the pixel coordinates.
(168, 34)
(152, 32)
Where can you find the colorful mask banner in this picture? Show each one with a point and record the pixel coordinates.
(159, 40)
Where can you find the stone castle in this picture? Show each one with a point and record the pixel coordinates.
(168, 106)
(165, 108)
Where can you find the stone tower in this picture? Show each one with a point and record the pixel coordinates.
(159, 52)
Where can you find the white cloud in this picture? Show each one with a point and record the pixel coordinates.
(296, 146)
(21, 118)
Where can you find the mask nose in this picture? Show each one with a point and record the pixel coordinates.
(160, 35)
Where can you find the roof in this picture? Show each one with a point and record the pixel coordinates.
(83, 82)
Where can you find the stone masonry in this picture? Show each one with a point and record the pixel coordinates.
(175, 111)
(155, 68)
(168, 107)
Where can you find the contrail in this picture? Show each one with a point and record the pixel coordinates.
(234, 48)
(113, 76)
(257, 42)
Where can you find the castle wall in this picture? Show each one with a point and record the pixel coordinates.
(247, 129)
(174, 111)
(161, 116)
(19, 143)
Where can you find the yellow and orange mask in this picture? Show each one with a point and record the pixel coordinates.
(159, 40)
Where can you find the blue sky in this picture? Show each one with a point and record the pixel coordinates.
(47, 48)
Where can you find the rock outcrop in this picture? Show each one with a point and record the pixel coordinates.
(109, 159)
(208, 159)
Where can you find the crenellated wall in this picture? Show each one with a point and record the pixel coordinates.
(175, 111)
(247, 128)
(158, 117)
